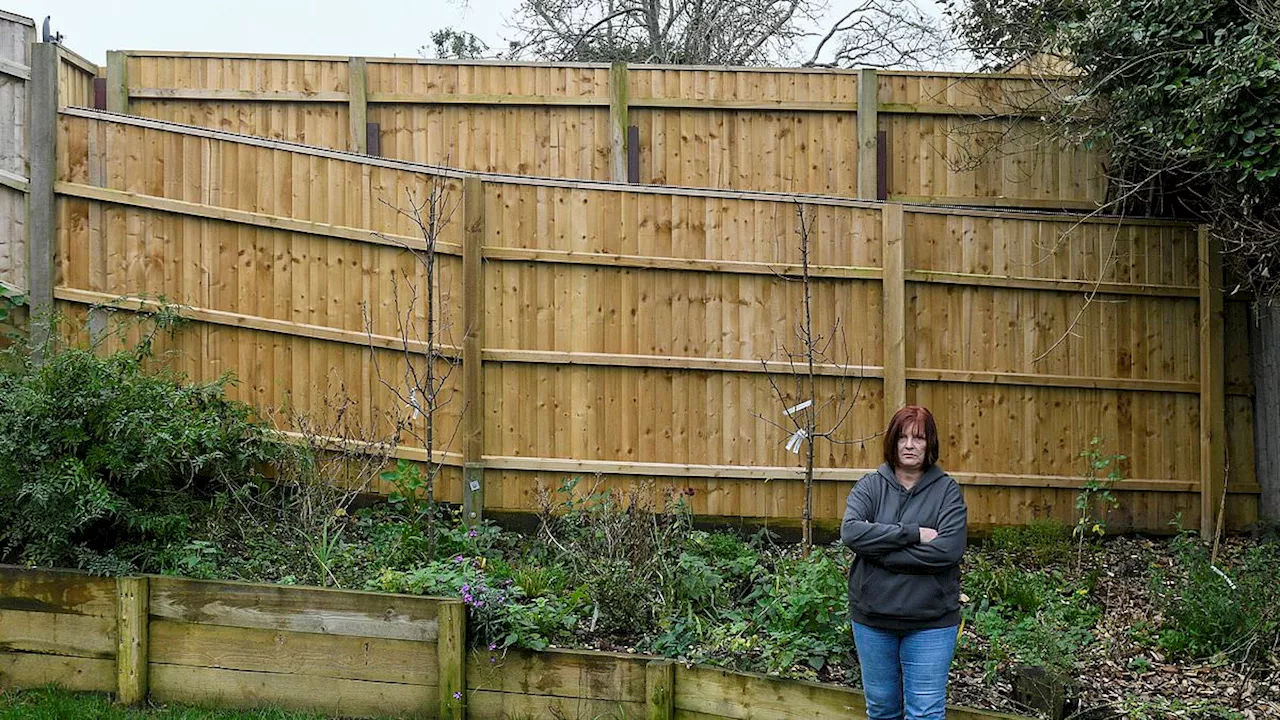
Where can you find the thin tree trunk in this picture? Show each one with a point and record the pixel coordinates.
(811, 414)
(433, 233)
(1265, 351)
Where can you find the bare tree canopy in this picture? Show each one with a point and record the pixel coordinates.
(879, 33)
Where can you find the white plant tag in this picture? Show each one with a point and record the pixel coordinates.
(797, 408)
(796, 440)
(413, 401)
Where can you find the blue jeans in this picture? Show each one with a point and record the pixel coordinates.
(905, 671)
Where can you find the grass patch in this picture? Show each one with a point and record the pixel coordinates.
(56, 704)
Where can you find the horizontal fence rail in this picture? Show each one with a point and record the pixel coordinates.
(635, 333)
(353, 654)
(947, 138)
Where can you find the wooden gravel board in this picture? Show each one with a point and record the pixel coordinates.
(279, 607)
(332, 696)
(56, 591)
(293, 653)
(566, 674)
(29, 670)
(487, 704)
(58, 634)
(745, 696)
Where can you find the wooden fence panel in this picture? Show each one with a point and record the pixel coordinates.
(299, 99)
(75, 79)
(264, 247)
(978, 139)
(514, 119)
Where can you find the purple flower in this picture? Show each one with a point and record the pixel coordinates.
(480, 604)
(457, 558)
(457, 695)
(473, 533)
(493, 646)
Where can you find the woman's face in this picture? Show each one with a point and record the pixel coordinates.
(911, 448)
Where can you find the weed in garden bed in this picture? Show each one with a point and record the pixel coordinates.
(1037, 617)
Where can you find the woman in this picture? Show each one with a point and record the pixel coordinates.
(908, 524)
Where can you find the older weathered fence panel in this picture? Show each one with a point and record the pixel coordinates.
(16, 36)
(624, 332)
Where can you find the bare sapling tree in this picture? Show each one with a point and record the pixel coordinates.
(880, 33)
(807, 418)
(344, 452)
(419, 382)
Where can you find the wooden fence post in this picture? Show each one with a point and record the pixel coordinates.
(868, 136)
(451, 648)
(42, 226)
(358, 104)
(893, 304)
(618, 94)
(472, 347)
(1213, 457)
(660, 687)
(117, 82)
(132, 603)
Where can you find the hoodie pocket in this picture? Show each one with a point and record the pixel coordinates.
(900, 595)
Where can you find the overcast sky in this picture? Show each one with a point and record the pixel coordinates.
(377, 28)
(372, 28)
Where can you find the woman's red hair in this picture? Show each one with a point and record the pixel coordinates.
(908, 418)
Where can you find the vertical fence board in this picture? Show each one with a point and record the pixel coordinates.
(1212, 385)
(358, 109)
(894, 307)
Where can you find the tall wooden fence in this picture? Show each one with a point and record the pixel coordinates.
(349, 653)
(619, 330)
(915, 137)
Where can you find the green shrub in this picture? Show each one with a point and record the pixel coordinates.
(1236, 613)
(97, 456)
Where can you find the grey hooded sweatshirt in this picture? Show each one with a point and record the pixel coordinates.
(897, 582)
